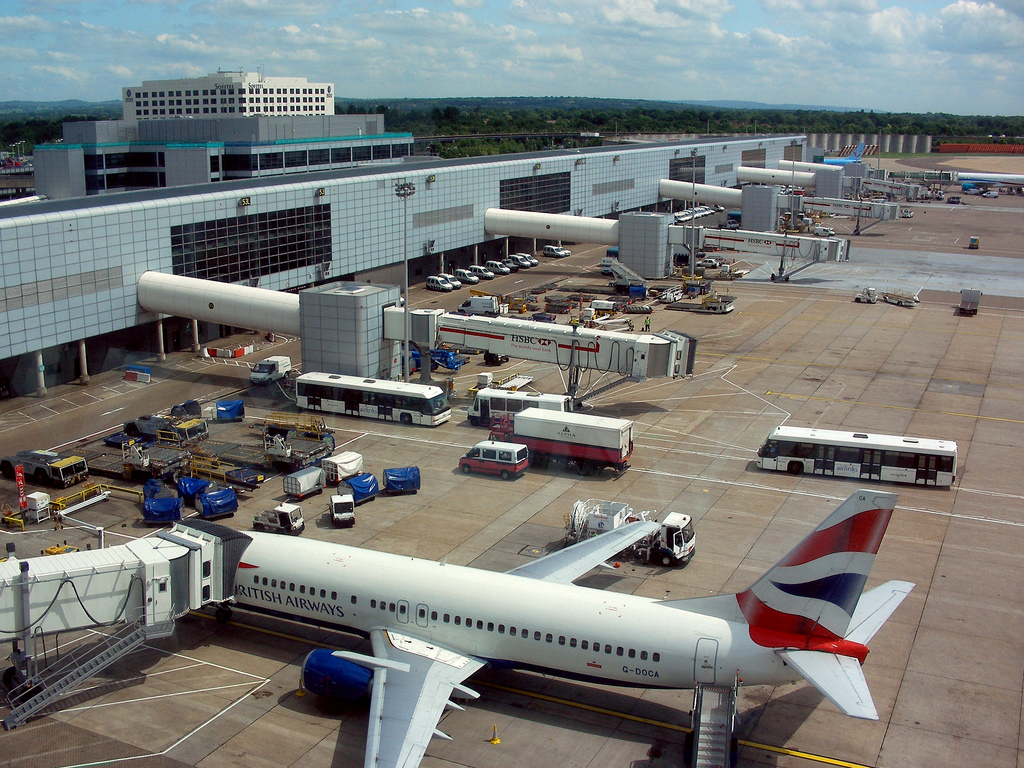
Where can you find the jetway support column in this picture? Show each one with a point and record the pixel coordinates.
(195, 336)
(83, 362)
(40, 374)
(161, 355)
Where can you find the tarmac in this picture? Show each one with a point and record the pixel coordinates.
(946, 671)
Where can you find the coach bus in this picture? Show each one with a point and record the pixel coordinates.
(859, 455)
(373, 398)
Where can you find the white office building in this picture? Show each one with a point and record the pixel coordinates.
(225, 95)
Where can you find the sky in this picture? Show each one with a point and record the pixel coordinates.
(961, 56)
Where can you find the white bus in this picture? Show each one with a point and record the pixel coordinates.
(491, 401)
(373, 398)
(859, 455)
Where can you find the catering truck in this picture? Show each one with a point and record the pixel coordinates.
(592, 443)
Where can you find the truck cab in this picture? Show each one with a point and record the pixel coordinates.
(342, 509)
(284, 518)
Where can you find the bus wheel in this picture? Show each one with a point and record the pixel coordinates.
(406, 419)
(795, 468)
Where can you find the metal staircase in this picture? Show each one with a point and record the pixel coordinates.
(61, 678)
(714, 717)
(601, 390)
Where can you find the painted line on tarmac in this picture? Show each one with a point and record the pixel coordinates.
(770, 393)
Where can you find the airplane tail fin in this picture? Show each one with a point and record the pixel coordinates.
(814, 590)
(858, 153)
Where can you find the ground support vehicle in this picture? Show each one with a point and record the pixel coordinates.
(591, 443)
(284, 518)
(215, 504)
(399, 480)
(363, 487)
(373, 398)
(213, 468)
(901, 298)
(867, 296)
(270, 370)
(168, 430)
(305, 482)
(674, 544)
(342, 510)
(970, 299)
(342, 465)
(292, 452)
(493, 457)
(974, 243)
(137, 457)
(46, 467)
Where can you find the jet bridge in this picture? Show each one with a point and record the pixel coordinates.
(134, 591)
(574, 349)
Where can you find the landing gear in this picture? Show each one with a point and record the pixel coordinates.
(223, 614)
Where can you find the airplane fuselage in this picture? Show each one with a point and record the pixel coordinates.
(506, 619)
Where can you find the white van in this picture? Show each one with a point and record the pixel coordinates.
(452, 279)
(467, 277)
(556, 251)
(482, 272)
(436, 283)
(498, 268)
(481, 305)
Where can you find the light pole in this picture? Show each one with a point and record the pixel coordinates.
(403, 191)
(693, 218)
(792, 184)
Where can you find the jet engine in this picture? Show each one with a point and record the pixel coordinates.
(327, 675)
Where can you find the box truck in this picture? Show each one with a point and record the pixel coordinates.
(592, 443)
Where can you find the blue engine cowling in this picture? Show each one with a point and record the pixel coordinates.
(327, 675)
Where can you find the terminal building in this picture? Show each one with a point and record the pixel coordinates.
(71, 266)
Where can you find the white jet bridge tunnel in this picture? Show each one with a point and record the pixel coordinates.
(135, 591)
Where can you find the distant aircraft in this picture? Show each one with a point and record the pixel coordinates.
(432, 624)
(986, 180)
(854, 157)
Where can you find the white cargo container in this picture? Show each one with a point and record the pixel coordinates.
(305, 482)
(591, 442)
(341, 466)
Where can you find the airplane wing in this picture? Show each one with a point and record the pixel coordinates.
(412, 683)
(839, 679)
(570, 563)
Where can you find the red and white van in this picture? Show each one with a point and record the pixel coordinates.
(490, 457)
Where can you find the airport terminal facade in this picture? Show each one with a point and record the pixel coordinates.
(70, 267)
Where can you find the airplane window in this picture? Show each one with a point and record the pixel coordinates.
(401, 609)
(273, 582)
(421, 612)
(447, 618)
(512, 631)
(352, 599)
(323, 593)
(655, 656)
(632, 653)
(373, 603)
(384, 605)
(526, 633)
(501, 629)
(536, 636)
(256, 580)
(264, 581)
(643, 655)
(458, 619)
(548, 637)
(584, 644)
(433, 615)
(572, 642)
(561, 639)
(391, 607)
(607, 649)
(479, 624)
(302, 589)
(490, 626)
(469, 622)
(291, 586)
(618, 651)
(334, 596)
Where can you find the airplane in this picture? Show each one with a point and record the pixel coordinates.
(973, 179)
(433, 624)
(854, 157)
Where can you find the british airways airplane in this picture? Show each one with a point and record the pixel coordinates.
(433, 624)
(854, 157)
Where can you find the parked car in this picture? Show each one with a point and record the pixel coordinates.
(455, 282)
(512, 264)
(521, 260)
(467, 277)
(498, 268)
(556, 251)
(438, 283)
(529, 258)
(482, 272)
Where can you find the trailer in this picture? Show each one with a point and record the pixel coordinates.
(970, 300)
(591, 443)
(401, 480)
(674, 544)
(363, 487)
(293, 452)
(341, 465)
(305, 482)
(901, 298)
